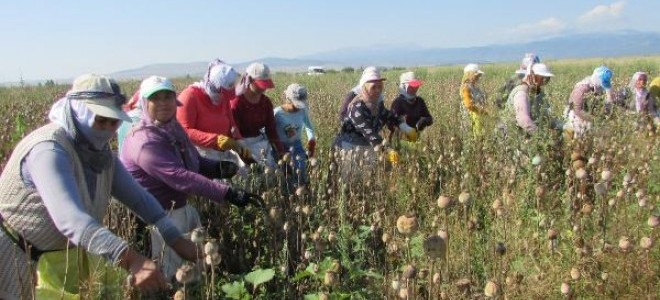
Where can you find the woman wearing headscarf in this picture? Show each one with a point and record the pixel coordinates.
(366, 116)
(583, 98)
(161, 157)
(410, 107)
(205, 115)
(56, 187)
(526, 106)
(343, 110)
(473, 97)
(253, 111)
(516, 79)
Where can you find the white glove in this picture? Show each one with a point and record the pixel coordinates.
(410, 132)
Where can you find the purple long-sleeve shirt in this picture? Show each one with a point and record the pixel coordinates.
(157, 163)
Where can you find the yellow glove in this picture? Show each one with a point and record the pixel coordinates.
(409, 132)
(393, 156)
(226, 143)
(412, 135)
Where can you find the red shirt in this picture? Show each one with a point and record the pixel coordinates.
(204, 121)
(250, 118)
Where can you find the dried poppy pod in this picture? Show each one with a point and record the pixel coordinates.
(435, 247)
(179, 295)
(409, 272)
(600, 188)
(576, 156)
(575, 273)
(624, 243)
(212, 259)
(537, 160)
(552, 234)
(406, 224)
(539, 191)
(653, 221)
(445, 201)
(198, 235)
(587, 208)
(210, 247)
(606, 175)
(185, 274)
(578, 164)
(580, 173)
(465, 198)
(330, 278)
(645, 243)
(565, 288)
(491, 289)
(332, 237)
(275, 216)
(386, 238)
(463, 284)
(497, 204)
(404, 293)
(444, 234)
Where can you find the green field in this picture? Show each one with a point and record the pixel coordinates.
(526, 229)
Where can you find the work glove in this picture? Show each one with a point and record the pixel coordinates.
(241, 198)
(409, 132)
(311, 147)
(226, 143)
(422, 124)
(393, 156)
(227, 169)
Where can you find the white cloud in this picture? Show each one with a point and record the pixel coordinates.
(603, 13)
(541, 28)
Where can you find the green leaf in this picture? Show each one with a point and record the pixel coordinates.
(417, 246)
(312, 296)
(259, 276)
(235, 290)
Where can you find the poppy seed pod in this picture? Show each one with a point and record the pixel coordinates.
(434, 247)
(406, 224)
(185, 274)
(491, 289)
(445, 201)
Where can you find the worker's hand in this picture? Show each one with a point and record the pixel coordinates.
(409, 132)
(187, 250)
(226, 143)
(144, 273)
(241, 198)
(311, 147)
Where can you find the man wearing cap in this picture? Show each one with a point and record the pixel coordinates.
(161, 157)
(252, 111)
(56, 188)
(598, 84)
(206, 116)
(410, 108)
(291, 118)
(473, 97)
(526, 106)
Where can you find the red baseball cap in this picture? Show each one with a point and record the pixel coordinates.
(260, 73)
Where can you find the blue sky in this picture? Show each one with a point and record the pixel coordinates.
(62, 39)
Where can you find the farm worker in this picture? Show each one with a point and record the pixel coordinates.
(654, 91)
(133, 111)
(206, 116)
(526, 106)
(637, 97)
(516, 79)
(343, 110)
(161, 158)
(56, 188)
(290, 119)
(410, 108)
(366, 117)
(252, 111)
(473, 97)
(599, 83)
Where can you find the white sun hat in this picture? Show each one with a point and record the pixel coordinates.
(472, 68)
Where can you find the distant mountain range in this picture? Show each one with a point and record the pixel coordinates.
(606, 44)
